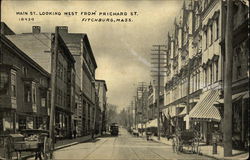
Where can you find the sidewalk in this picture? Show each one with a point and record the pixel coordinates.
(59, 145)
(207, 150)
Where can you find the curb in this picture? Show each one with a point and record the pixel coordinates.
(60, 147)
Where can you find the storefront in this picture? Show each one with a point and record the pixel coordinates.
(204, 116)
(240, 108)
(62, 121)
(7, 122)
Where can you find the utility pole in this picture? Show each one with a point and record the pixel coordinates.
(188, 92)
(135, 111)
(141, 88)
(53, 87)
(161, 72)
(227, 134)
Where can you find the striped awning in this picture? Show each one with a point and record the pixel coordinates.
(204, 109)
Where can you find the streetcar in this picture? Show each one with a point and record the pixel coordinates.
(114, 129)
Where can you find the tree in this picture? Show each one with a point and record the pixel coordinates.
(112, 114)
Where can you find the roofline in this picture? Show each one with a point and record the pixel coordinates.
(105, 85)
(24, 56)
(66, 48)
(86, 39)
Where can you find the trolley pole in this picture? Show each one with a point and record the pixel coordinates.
(53, 86)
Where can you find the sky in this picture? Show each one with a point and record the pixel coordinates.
(121, 49)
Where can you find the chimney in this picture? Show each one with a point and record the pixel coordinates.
(36, 29)
(63, 29)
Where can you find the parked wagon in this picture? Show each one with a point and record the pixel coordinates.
(31, 140)
(187, 139)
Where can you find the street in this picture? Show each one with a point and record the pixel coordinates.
(125, 146)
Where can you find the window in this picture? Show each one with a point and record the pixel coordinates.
(206, 76)
(33, 93)
(211, 34)
(198, 81)
(211, 73)
(13, 84)
(217, 28)
(27, 93)
(216, 71)
(25, 71)
(65, 75)
(206, 38)
(3, 82)
(239, 73)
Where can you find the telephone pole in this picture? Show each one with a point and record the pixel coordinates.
(141, 89)
(227, 134)
(135, 111)
(158, 63)
(53, 86)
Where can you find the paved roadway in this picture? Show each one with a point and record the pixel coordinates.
(123, 147)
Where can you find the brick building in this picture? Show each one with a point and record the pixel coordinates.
(24, 90)
(101, 87)
(85, 107)
(39, 47)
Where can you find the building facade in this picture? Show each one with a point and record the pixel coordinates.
(24, 90)
(40, 47)
(85, 106)
(195, 70)
(101, 88)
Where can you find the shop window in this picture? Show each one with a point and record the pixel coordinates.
(4, 83)
(13, 84)
(22, 122)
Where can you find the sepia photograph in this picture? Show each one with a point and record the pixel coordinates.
(124, 79)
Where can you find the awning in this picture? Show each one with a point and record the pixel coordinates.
(204, 109)
(183, 112)
(152, 123)
(170, 111)
(140, 125)
(235, 97)
(166, 113)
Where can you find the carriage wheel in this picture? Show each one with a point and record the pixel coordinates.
(47, 149)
